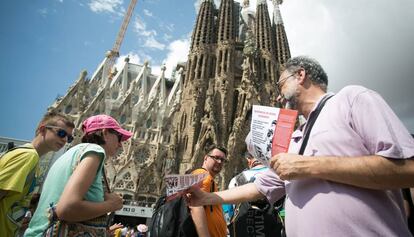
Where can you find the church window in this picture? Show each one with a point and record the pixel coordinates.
(142, 155)
(225, 60)
(127, 197)
(68, 109)
(127, 176)
(122, 119)
(151, 199)
(130, 185)
(212, 66)
(200, 66)
(149, 123)
(120, 184)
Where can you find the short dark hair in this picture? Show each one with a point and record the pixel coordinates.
(211, 147)
(51, 118)
(312, 67)
(96, 137)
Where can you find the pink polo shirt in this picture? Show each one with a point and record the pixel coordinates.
(354, 122)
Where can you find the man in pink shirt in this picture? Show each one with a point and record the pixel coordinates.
(348, 180)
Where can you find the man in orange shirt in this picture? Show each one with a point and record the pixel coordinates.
(209, 220)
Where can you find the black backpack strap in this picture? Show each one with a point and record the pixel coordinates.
(311, 122)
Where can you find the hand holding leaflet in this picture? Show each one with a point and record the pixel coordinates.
(177, 184)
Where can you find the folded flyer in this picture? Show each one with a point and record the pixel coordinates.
(271, 130)
(176, 183)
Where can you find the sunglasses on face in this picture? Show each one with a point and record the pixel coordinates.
(61, 133)
(218, 158)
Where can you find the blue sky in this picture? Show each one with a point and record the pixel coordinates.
(45, 44)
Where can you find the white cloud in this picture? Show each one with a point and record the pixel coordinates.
(147, 12)
(141, 28)
(151, 42)
(139, 25)
(112, 6)
(177, 52)
(149, 35)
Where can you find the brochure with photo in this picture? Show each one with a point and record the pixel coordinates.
(270, 131)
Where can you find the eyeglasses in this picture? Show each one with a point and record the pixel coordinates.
(281, 82)
(61, 133)
(218, 158)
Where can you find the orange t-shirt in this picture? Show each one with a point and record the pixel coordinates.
(214, 214)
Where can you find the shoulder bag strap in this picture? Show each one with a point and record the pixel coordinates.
(311, 122)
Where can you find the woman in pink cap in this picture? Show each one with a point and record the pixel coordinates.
(73, 190)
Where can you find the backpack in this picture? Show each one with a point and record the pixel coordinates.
(171, 219)
(258, 218)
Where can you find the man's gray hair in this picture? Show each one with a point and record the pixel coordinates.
(312, 67)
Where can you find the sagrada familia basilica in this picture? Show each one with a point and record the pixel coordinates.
(234, 62)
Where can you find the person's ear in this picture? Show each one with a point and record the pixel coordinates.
(301, 76)
(42, 130)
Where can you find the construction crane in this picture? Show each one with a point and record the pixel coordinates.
(113, 54)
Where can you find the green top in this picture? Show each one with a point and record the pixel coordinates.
(56, 180)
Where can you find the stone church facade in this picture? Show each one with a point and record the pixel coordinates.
(234, 62)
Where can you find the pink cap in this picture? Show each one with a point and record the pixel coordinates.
(104, 121)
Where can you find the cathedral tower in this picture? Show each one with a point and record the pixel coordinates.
(230, 67)
(233, 63)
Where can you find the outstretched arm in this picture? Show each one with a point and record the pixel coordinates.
(247, 192)
(72, 207)
(375, 172)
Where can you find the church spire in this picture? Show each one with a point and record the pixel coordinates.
(266, 62)
(225, 67)
(263, 28)
(204, 29)
(282, 45)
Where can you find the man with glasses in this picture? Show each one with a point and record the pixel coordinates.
(209, 220)
(19, 167)
(348, 180)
